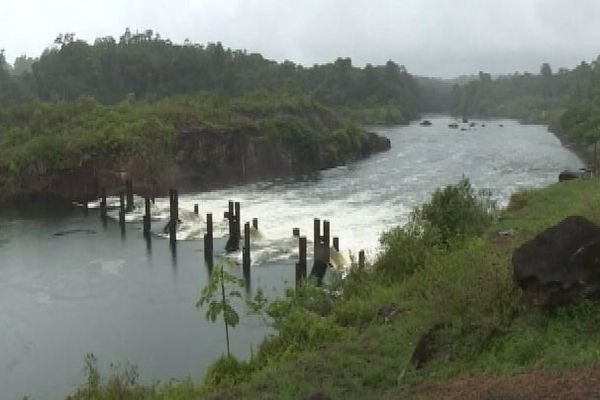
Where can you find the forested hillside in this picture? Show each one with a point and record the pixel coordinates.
(147, 66)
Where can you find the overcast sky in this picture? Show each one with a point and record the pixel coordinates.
(430, 37)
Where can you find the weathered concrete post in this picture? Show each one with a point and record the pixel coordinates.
(301, 264)
(147, 217)
(238, 220)
(326, 242)
(103, 205)
(317, 239)
(255, 223)
(122, 209)
(246, 250)
(208, 240)
(336, 243)
(129, 189)
(361, 259)
(296, 232)
(174, 215)
(230, 215)
(196, 211)
(233, 214)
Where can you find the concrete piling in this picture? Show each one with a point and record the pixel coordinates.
(233, 215)
(246, 251)
(301, 264)
(196, 211)
(326, 242)
(361, 259)
(255, 223)
(129, 190)
(147, 217)
(336, 243)
(174, 215)
(296, 232)
(208, 240)
(103, 204)
(122, 209)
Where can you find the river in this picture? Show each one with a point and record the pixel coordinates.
(70, 285)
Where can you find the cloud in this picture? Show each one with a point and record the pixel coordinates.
(430, 37)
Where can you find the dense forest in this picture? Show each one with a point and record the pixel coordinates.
(148, 67)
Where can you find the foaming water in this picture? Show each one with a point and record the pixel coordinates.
(70, 285)
(366, 198)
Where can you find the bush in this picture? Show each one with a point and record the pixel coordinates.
(453, 214)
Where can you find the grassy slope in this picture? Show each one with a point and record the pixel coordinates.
(358, 345)
(471, 289)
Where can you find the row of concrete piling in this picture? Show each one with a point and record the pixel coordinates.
(322, 240)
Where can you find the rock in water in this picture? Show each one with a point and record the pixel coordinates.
(559, 261)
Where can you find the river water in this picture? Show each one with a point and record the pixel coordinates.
(70, 285)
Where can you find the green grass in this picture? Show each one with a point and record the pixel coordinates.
(354, 339)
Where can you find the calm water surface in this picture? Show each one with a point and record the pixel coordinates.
(94, 290)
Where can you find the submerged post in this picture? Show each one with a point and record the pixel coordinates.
(147, 217)
(85, 207)
(208, 240)
(196, 209)
(129, 189)
(301, 264)
(361, 259)
(246, 250)
(296, 232)
(255, 223)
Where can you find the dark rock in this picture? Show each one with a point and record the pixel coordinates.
(555, 265)
(465, 120)
(425, 348)
(426, 123)
(453, 125)
(377, 143)
(567, 176)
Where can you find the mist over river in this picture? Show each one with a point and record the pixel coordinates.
(90, 289)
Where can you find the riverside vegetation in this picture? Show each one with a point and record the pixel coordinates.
(136, 104)
(446, 276)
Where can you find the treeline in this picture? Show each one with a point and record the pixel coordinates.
(146, 66)
(159, 141)
(567, 100)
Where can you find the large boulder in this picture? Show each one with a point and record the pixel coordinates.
(560, 262)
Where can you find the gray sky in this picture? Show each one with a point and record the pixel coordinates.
(430, 37)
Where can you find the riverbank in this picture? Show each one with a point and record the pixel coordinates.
(461, 301)
(425, 311)
(72, 149)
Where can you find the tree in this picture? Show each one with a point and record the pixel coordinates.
(220, 303)
(546, 70)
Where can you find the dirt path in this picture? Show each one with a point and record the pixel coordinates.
(575, 384)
